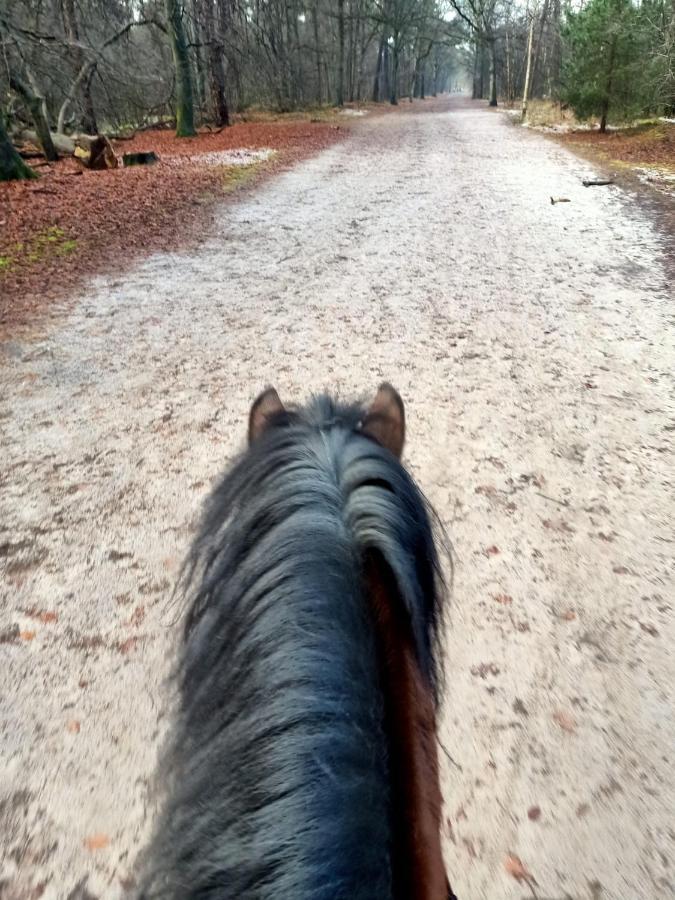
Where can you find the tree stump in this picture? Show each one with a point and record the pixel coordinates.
(144, 158)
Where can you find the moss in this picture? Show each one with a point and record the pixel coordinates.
(234, 177)
(66, 247)
(43, 245)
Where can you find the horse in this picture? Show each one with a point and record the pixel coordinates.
(302, 762)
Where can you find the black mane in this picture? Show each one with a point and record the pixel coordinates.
(277, 766)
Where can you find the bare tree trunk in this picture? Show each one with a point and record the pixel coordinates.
(528, 69)
(509, 93)
(298, 73)
(556, 51)
(393, 97)
(493, 60)
(608, 85)
(12, 167)
(474, 86)
(197, 38)
(185, 114)
(341, 58)
(88, 118)
(37, 107)
(351, 55)
(538, 48)
(379, 70)
(317, 50)
(479, 82)
(221, 113)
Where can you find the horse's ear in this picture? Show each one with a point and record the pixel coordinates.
(264, 408)
(385, 419)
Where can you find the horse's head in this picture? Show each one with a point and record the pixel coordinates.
(383, 420)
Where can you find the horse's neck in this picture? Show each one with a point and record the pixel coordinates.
(410, 723)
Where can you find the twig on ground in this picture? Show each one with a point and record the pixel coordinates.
(564, 503)
(453, 761)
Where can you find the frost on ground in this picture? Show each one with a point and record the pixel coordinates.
(533, 344)
(243, 157)
(660, 178)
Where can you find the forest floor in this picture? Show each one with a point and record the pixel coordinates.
(73, 222)
(533, 344)
(647, 150)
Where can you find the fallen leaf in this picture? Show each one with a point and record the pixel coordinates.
(46, 617)
(534, 813)
(73, 726)
(96, 841)
(517, 870)
(569, 615)
(137, 617)
(566, 721)
(127, 646)
(26, 635)
(491, 551)
(505, 599)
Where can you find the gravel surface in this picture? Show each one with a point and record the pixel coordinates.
(533, 345)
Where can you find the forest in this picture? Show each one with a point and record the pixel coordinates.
(95, 67)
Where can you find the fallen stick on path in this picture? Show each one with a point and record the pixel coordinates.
(598, 182)
(555, 200)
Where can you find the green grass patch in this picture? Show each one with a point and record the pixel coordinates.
(234, 177)
(45, 244)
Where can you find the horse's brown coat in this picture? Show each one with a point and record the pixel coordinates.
(419, 871)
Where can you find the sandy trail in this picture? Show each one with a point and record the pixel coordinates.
(534, 347)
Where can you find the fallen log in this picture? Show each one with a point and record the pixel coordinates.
(94, 151)
(555, 200)
(63, 143)
(597, 182)
(30, 154)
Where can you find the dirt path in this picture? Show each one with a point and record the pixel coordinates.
(534, 347)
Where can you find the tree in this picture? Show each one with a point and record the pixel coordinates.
(341, 53)
(88, 117)
(38, 111)
(604, 66)
(481, 18)
(12, 167)
(185, 115)
(528, 67)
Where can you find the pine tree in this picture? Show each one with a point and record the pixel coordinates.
(604, 67)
